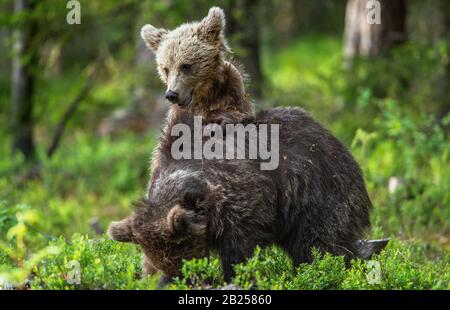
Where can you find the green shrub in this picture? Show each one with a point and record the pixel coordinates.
(402, 266)
(325, 272)
(268, 269)
(92, 264)
(415, 153)
(16, 259)
(203, 272)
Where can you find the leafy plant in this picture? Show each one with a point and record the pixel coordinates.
(84, 263)
(21, 262)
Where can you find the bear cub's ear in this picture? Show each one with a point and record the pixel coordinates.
(212, 26)
(185, 222)
(121, 231)
(152, 36)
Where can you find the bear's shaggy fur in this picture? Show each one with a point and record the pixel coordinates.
(315, 198)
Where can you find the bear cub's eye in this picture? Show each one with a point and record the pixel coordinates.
(186, 68)
(166, 71)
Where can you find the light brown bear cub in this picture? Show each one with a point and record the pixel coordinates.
(191, 62)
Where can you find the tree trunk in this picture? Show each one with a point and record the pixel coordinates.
(445, 109)
(246, 28)
(22, 84)
(369, 35)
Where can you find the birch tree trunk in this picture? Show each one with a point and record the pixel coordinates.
(373, 26)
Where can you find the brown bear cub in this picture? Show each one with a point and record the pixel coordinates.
(195, 210)
(167, 234)
(315, 198)
(191, 62)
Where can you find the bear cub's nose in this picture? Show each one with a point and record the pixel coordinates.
(172, 96)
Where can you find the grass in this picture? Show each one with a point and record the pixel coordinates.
(82, 263)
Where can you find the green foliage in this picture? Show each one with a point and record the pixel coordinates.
(92, 264)
(16, 261)
(414, 265)
(325, 272)
(88, 178)
(267, 269)
(199, 272)
(414, 153)
(307, 73)
(418, 76)
(406, 267)
(105, 264)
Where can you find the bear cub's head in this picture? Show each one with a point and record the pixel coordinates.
(168, 225)
(190, 56)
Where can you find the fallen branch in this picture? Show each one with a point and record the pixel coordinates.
(88, 84)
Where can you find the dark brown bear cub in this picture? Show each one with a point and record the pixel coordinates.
(164, 224)
(315, 198)
(197, 207)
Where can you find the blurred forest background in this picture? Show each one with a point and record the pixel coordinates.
(81, 108)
